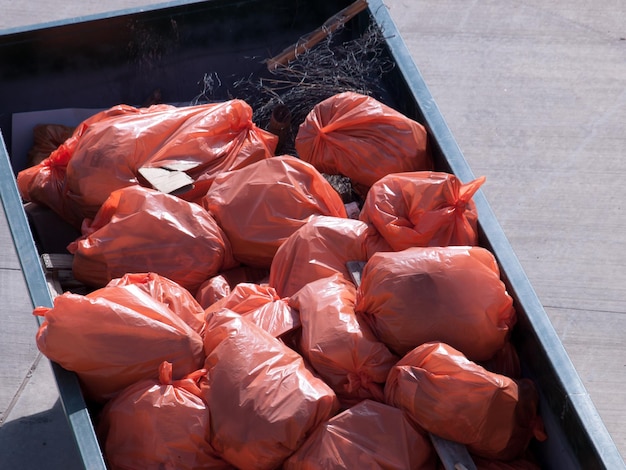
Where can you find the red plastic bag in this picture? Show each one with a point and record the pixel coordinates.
(321, 248)
(116, 336)
(212, 290)
(423, 209)
(450, 294)
(46, 183)
(138, 229)
(263, 400)
(221, 285)
(456, 399)
(157, 424)
(357, 136)
(261, 305)
(368, 435)
(202, 141)
(177, 298)
(261, 205)
(341, 349)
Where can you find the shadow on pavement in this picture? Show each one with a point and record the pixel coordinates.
(32, 442)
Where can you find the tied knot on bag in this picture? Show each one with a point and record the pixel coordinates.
(321, 134)
(41, 311)
(59, 158)
(165, 373)
(360, 380)
(467, 191)
(188, 383)
(239, 121)
(459, 206)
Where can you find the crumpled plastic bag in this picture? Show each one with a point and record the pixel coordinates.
(450, 294)
(46, 183)
(263, 400)
(178, 299)
(220, 285)
(157, 424)
(261, 205)
(116, 336)
(456, 399)
(139, 229)
(202, 140)
(261, 305)
(341, 349)
(107, 151)
(423, 208)
(359, 137)
(368, 435)
(321, 248)
(212, 290)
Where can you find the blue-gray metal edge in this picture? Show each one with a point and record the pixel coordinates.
(69, 388)
(578, 400)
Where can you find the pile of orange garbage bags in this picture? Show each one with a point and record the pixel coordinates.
(250, 323)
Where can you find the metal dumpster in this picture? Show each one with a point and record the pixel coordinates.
(97, 62)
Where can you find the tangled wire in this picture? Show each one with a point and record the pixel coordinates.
(328, 68)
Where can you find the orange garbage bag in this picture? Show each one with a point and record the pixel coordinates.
(359, 137)
(46, 183)
(319, 249)
(212, 290)
(157, 424)
(368, 435)
(177, 298)
(450, 294)
(341, 349)
(456, 399)
(261, 205)
(139, 229)
(116, 336)
(261, 305)
(202, 141)
(423, 209)
(220, 286)
(263, 400)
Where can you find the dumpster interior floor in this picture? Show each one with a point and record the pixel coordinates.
(535, 95)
